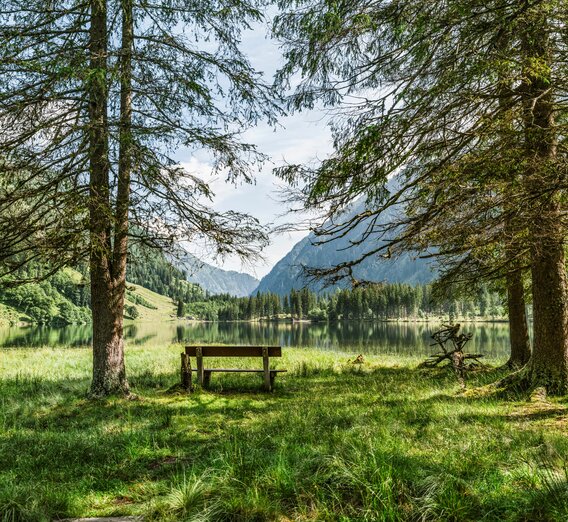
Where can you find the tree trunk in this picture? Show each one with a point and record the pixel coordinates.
(516, 307)
(518, 328)
(109, 375)
(548, 365)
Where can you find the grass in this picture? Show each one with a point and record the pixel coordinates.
(165, 308)
(335, 441)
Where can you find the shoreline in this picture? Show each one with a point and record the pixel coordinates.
(287, 320)
(438, 320)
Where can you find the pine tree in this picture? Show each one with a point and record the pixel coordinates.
(95, 107)
(464, 92)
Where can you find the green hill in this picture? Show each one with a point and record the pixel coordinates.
(151, 306)
(42, 303)
(60, 299)
(154, 289)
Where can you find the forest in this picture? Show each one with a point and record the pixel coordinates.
(65, 297)
(385, 133)
(374, 302)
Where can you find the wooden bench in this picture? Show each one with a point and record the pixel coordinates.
(204, 374)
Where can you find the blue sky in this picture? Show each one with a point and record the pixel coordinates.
(303, 137)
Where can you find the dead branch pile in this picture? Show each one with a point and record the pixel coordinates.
(451, 344)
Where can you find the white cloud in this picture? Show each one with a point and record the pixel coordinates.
(301, 138)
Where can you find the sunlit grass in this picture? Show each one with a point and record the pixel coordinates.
(335, 441)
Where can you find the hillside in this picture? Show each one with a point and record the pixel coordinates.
(151, 269)
(64, 299)
(154, 289)
(288, 273)
(150, 306)
(61, 299)
(215, 280)
(177, 276)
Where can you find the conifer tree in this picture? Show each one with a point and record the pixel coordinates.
(429, 88)
(98, 95)
(180, 308)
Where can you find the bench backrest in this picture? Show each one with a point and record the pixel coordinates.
(209, 350)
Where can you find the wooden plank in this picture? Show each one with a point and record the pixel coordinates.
(237, 370)
(233, 351)
(199, 356)
(266, 365)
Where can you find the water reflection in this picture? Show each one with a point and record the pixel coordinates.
(365, 337)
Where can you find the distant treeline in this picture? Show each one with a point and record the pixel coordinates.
(380, 301)
(64, 298)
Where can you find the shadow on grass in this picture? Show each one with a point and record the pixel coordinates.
(339, 444)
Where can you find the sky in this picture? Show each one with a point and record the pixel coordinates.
(299, 138)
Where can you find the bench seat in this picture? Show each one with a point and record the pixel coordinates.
(229, 370)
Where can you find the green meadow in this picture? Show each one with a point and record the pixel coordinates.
(335, 441)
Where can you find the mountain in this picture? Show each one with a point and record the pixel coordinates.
(215, 280)
(177, 275)
(288, 272)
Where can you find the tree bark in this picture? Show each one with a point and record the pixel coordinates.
(107, 299)
(518, 327)
(516, 306)
(548, 365)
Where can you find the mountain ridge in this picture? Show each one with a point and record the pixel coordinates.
(288, 272)
(213, 279)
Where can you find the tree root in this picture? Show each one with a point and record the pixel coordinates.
(178, 389)
(517, 382)
(512, 365)
(121, 393)
(528, 381)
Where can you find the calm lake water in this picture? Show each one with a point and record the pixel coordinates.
(491, 339)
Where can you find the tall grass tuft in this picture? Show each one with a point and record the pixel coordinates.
(44, 505)
(548, 499)
(444, 496)
(191, 498)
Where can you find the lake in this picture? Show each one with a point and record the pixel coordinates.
(491, 339)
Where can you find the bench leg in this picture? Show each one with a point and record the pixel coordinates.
(272, 377)
(186, 383)
(199, 366)
(206, 378)
(266, 364)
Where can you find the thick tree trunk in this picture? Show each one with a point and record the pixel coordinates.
(109, 376)
(518, 327)
(549, 362)
(548, 365)
(109, 373)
